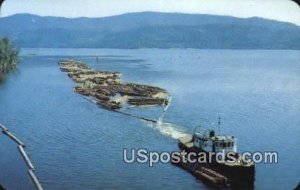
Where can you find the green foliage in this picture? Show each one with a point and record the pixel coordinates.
(8, 56)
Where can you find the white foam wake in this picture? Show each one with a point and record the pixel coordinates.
(168, 129)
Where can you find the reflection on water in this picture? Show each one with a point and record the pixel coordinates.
(76, 145)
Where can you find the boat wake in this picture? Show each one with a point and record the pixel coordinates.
(167, 129)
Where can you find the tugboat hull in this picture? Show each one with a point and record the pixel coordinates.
(235, 176)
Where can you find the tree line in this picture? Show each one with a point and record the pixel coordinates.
(9, 56)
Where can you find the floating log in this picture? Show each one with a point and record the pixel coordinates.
(3, 127)
(207, 175)
(35, 180)
(146, 101)
(212, 176)
(13, 137)
(25, 156)
(208, 178)
(90, 99)
(214, 173)
(82, 91)
(108, 105)
(101, 97)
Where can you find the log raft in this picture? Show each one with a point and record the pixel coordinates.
(108, 89)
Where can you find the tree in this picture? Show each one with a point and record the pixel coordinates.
(9, 56)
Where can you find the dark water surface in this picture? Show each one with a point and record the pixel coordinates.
(76, 145)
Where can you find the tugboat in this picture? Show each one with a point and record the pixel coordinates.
(230, 171)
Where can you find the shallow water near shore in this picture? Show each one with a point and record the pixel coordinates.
(76, 145)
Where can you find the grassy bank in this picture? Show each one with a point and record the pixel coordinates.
(9, 56)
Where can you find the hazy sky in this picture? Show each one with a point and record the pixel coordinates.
(283, 10)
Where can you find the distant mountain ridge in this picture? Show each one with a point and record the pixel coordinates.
(151, 30)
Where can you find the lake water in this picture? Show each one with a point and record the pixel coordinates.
(76, 145)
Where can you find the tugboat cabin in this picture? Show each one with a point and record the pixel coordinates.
(214, 143)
